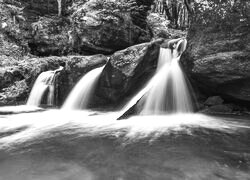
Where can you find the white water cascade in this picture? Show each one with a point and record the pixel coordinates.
(44, 83)
(81, 94)
(167, 92)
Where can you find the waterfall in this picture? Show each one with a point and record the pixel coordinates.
(167, 91)
(83, 91)
(45, 83)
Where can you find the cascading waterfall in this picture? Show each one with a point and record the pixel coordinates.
(169, 92)
(44, 83)
(82, 92)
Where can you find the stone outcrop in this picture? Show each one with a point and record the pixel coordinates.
(127, 71)
(218, 53)
(159, 25)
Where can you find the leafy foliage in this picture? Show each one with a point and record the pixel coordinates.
(12, 37)
(221, 14)
(176, 11)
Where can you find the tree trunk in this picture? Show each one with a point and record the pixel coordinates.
(189, 6)
(175, 13)
(181, 15)
(14, 19)
(48, 6)
(184, 18)
(59, 7)
(166, 8)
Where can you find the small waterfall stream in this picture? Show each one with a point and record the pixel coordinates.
(44, 83)
(82, 92)
(167, 91)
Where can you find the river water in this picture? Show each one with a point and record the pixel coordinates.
(84, 145)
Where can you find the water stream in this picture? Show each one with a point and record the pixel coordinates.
(45, 83)
(169, 92)
(75, 145)
(83, 91)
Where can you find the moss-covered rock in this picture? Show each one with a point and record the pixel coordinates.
(50, 36)
(107, 26)
(218, 53)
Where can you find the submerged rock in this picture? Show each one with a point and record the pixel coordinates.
(218, 53)
(218, 109)
(214, 100)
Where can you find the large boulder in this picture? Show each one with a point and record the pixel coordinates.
(127, 71)
(17, 79)
(159, 25)
(107, 26)
(218, 53)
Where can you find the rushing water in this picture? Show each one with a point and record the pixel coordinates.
(45, 83)
(57, 145)
(82, 92)
(167, 91)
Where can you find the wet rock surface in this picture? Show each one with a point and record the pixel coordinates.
(127, 70)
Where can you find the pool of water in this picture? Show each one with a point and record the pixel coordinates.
(66, 145)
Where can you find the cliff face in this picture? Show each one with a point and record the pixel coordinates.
(218, 53)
